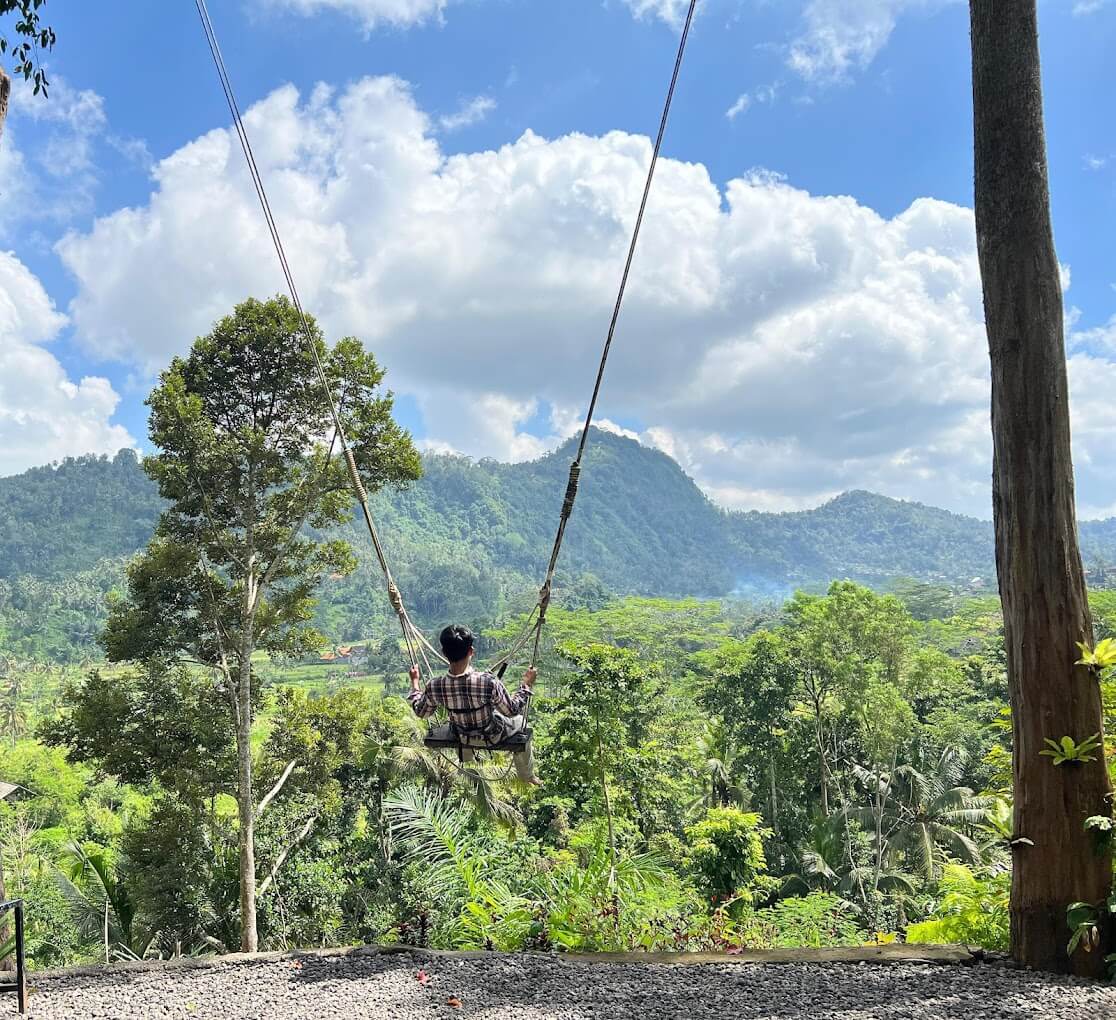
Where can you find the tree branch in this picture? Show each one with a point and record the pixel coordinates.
(296, 527)
(282, 858)
(274, 791)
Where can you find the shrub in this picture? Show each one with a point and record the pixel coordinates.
(972, 911)
(811, 922)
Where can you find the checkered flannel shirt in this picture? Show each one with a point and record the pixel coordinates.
(472, 699)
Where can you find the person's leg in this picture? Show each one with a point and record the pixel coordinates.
(524, 762)
(468, 755)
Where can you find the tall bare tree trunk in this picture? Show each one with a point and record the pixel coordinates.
(247, 816)
(1037, 557)
(246, 805)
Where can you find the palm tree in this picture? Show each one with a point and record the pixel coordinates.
(825, 865)
(440, 835)
(719, 789)
(404, 758)
(567, 901)
(13, 702)
(90, 881)
(936, 818)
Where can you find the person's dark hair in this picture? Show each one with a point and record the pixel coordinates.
(456, 642)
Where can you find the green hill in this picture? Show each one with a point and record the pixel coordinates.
(471, 535)
(63, 518)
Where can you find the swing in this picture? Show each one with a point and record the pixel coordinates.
(420, 651)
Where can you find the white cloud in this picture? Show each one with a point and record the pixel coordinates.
(1092, 381)
(783, 346)
(1096, 162)
(486, 425)
(43, 414)
(1099, 339)
(370, 13)
(840, 37)
(80, 112)
(469, 113)
(373, 14)
(1084, 7)
(47, 164)
(673, 12)
(742, 105)
(746, 100)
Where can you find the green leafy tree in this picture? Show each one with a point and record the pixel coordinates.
(240, 426)
(29, 36)
(182, 873)
(749, 686)
(154, 723)
(616, 742)
(726, 853)
(722, 787)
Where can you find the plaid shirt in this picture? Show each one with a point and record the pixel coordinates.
(473, 700)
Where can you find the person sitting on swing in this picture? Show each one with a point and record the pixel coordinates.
(482, 713)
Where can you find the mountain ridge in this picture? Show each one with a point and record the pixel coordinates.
(641, 525)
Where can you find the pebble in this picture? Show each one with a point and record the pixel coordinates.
(519, 987)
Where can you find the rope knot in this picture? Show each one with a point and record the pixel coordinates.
(395, 599)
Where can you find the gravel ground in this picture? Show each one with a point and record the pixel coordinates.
(537, 988)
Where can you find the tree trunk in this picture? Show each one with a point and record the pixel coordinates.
(8, 962)
(246, 807)
(5, 91)
(247, 814)
(1042, 585)
(774, 792)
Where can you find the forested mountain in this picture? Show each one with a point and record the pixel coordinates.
(62, 518)
(641, 524)
(470, 533)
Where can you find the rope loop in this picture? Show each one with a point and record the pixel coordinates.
(571, 490)
(354, 476)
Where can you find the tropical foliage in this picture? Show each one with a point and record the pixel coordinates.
(775, 767)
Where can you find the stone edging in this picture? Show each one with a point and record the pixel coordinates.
(877, 955)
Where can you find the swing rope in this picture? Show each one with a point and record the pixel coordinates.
(418, 647)
(575, 467)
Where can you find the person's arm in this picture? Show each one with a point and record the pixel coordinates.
(420, 700)
(517, 705)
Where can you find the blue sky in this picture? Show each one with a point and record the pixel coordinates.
(456, 180)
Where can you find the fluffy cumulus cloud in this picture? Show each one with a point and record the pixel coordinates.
(370, 13)
(783, 346)
(840, 37)
(43, 414)
(47, 161)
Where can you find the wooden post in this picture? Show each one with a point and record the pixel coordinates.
(21, 960)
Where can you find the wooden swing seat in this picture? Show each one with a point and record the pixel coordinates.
(444, 736)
